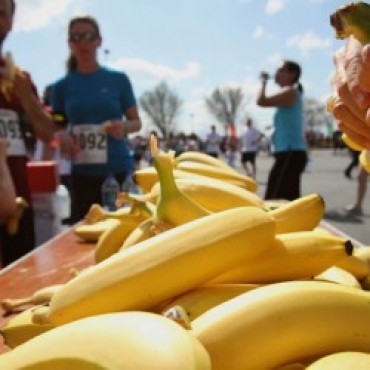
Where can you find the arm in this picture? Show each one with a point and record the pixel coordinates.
(35, 112)
(284, 98)
(7, 191)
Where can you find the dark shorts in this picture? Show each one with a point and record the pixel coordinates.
(248, 157)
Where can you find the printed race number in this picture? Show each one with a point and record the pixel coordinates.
(10, 131)
(92, 144)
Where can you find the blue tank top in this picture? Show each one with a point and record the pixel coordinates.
(94, 98)
(288, 127)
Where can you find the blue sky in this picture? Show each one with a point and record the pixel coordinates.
(194, 45)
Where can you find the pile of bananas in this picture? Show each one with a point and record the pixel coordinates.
(198, 272)
(352, 19)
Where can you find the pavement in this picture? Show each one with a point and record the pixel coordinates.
(324, 175)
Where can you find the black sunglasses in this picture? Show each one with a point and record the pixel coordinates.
(85, 36)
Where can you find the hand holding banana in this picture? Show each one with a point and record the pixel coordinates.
(351, 82)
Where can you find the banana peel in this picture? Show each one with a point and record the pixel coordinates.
(12, 224)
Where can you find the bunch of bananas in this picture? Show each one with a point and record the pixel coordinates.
(353, 20)
(253, 284)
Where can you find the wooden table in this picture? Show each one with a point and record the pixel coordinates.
(50, 263)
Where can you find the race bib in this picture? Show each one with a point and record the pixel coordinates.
(92, 143)
(10, 130)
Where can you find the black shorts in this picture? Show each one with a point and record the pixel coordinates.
(248, 157)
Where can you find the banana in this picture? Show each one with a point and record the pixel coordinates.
(219, 173)
(350, 143)
(20, 328)
(302, 214)
(39, 297)
(197, 301)
(337, 275)
(342, 361)
(165, 265)
(363, 253)
(201, 157)
(9, 73)
(212, 194)
(352, 19)
(92, 232)
(283, 323)
(292, 256)
(12, 223)
(112, 239)
(173, 206)
(144, 231)
(116, 341)
(355, 265)
(365, 283)
(364, 159)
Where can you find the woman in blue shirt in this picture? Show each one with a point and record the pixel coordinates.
(288, 138)
(100, 108)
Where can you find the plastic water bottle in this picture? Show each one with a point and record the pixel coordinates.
(110, 190)
(62, 202)
(129, 185)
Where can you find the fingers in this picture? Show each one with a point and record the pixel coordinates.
(361, 140)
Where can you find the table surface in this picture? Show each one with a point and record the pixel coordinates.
(50, 263)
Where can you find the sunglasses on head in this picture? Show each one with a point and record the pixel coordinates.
(85, 36)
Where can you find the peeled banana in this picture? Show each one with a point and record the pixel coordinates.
(165, 265)
(116, 341)
(285, 323)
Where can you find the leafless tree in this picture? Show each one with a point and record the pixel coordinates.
(225, 104)
(162, 105)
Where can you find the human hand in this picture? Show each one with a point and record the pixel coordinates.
(22, 86)
(115, 128)
(68, 148)
(351, 84)
(264, 76)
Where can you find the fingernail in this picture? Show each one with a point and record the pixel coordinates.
(360, 98)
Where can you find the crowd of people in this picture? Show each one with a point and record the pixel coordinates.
(90, 119)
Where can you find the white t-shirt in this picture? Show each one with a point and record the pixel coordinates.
(213, 142)
(250, 140)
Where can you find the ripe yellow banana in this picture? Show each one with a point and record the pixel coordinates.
(302, 214)
(364, 159)
(292, 321)
(116, 341)
(146, 177)
(20, 328)
(212, 194)
(338, 275)
(355, 265)
(219, 173)
(165, 265)
(204, 158)
(197, 301)
(144, 231)
(342, 361)
(12, 223)
(112, 239)
(92, 232)
(7, 79)
(40, 296)
(352, 19)
(350, 143)
(173, 206)
(292, 256)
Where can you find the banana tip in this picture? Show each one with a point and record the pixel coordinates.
(349, 247)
